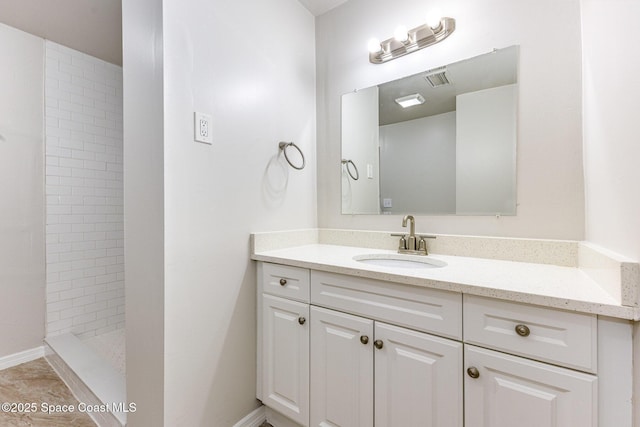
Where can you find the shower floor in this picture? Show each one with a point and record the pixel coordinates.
(110, 346)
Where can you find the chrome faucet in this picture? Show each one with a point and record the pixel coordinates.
(412, 243)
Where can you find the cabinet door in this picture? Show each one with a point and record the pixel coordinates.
(285, 352)
(513, 391)
(342, 369)
(418, 379)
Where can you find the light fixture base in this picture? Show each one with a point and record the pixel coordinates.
(419, 38)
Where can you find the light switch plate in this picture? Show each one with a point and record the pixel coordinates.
(202, 128)
(387, 203)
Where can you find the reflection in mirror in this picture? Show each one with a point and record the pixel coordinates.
(452, 151)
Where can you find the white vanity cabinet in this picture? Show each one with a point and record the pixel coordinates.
(365, 370)
(286, 357)
(506, 391)
(283, 350)
(503, 390)
(394, 355)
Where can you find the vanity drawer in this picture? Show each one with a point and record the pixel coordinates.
(555, 336)
(285, 281)
(429, 310)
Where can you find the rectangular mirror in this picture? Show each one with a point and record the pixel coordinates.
(450, 150)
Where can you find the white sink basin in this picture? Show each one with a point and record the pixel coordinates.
(400, 260)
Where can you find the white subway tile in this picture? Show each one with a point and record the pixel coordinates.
(68, 68)
(58, 228)
(82, 246)
(67, 142)
(52, 180)
(57, 287)
(54, 54)
(109, 312)
(72, 256)
(116, 319)
(84, 188)
(81, 99)
(95, 253)
(82, 154)
(96, 148)
(84, 300)
(70, 201)
(107, 244)
(71, 163)
(84, 283)
(84, 319)
(70, 88)
(58, 151)
(83, 210)
(94, 219)
(58, 209)
(70, 275)
(70, 106)
(59, 305)
(71, 312)
(95, 289)
(94, 272)
(59, 94)
(58, 326)
(107, 278)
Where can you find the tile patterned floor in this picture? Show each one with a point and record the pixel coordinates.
(37, 382)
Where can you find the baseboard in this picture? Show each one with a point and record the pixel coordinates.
(276, 419)
(254, 419)
(22, 357)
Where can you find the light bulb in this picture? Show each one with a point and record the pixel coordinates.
(400, 34)
(374, 45)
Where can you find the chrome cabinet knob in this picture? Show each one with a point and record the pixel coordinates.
(301, 320)
(378, 344)
(473, 372)
(523, 330)
(364, 339)
(283, 282)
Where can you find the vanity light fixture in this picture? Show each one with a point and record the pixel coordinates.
(410, 100)
(405, 42)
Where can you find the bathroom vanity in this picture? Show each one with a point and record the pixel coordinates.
(468, 342)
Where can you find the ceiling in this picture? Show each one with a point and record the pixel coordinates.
(90, 26)
(486, 71)
(319, 7)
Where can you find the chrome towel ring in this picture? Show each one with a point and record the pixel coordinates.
(283, 146)
(350, 162)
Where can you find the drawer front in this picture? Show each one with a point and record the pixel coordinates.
(285, 281)
(429, 310)
(555, 336)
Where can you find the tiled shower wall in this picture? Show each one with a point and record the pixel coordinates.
(84, 191)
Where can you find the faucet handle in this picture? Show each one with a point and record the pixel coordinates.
(402, 244)
(426, 236)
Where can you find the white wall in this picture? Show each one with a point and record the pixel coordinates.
(256, 76)
(84, 193)
(22, 271)
(550, 181)
(361, 130)
(611, 126)
(486, 151)
(423, 148)
(144, 208)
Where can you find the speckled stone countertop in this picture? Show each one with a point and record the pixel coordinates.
(561, 287)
